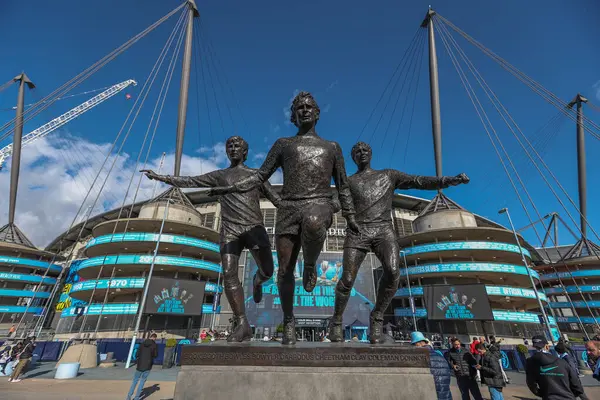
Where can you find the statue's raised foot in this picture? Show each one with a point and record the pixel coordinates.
(309, 277)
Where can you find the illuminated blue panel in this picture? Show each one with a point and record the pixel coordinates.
(125, 283)
(573, 289)
(118, 309)
(21, 309)
(576, 304)
(470, 267)
(128, 259)
(25, 262)
(120, 283)
(450, 246)
(499, 315)
(576, 274)
(574, 320)
(9, 276)
(23, 293)
(153, 237)
(491, 291)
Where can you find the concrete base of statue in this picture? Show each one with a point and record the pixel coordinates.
(306, 371)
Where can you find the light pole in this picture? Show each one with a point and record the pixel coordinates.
(537, 296)
(410, 298)
(146, 286)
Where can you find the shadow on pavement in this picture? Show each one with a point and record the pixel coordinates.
(147, 391)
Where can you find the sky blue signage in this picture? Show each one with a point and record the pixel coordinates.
(499, 315)
(125, 259)
(9, 276)
(21, 309)
(573, 289)
(450, 246)
(23, 293)
(575, 274)
(125, 283)
(116, 283)
(26, 262)
(114, 309)
(491, 291)
(574, 320)
(153, 237)
(470, 267)
(576, 304)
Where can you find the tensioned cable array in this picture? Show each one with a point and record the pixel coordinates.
(74, 82)
(143, 95)
(544, 164)
(448, 42)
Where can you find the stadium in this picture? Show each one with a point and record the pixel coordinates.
(443, 245)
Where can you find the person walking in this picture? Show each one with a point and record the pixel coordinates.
(550, 377)
(563, 352)
(147, 352)
(592, 348)
(439, 367)
(494, 347)
(24, 356)
(491, 374)
(463, 363)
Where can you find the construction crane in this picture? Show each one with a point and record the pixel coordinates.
(66, 117)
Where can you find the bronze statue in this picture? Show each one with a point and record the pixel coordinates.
(372, 192)
(307, 206)
(241, 227)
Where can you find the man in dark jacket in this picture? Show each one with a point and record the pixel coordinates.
(463, 363)
(24, 356)
(147, 352)
(550, 377)
(491, 374)
(439, 366)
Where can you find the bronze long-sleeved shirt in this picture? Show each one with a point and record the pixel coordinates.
(236, 208)
(373, 191)
(308, 163)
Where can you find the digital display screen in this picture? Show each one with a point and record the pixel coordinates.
(318, 304)
(457, 302)
(174, 296)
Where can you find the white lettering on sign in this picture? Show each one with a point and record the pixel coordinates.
(336, 232)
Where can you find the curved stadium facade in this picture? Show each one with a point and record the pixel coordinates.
(443, 244)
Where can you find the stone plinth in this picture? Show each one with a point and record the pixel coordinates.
(307, 371)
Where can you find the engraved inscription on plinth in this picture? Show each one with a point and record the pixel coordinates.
(305, 355)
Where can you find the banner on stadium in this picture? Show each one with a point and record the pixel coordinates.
(457, 302)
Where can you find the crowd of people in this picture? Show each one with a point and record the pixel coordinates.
(15, 358)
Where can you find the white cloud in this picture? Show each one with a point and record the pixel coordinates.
(259, 156)
(57, 172)
(286, 110)
(596, 87)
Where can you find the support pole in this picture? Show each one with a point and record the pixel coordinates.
(579, 100)
(185, 84)
(146, 286)
(537, 295)
(434, 93)
(411, 300)
(18, 135)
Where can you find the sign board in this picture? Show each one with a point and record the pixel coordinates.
(174, 296)
(457, 302)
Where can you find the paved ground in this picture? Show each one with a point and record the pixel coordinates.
(113, 383)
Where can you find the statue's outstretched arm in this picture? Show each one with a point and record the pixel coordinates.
(200, 181)
(270, 193)
(407, 181)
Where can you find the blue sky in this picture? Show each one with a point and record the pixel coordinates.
(344, 53)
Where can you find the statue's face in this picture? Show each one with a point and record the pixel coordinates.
(361, 155)
(236, 151)
(306, 112)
